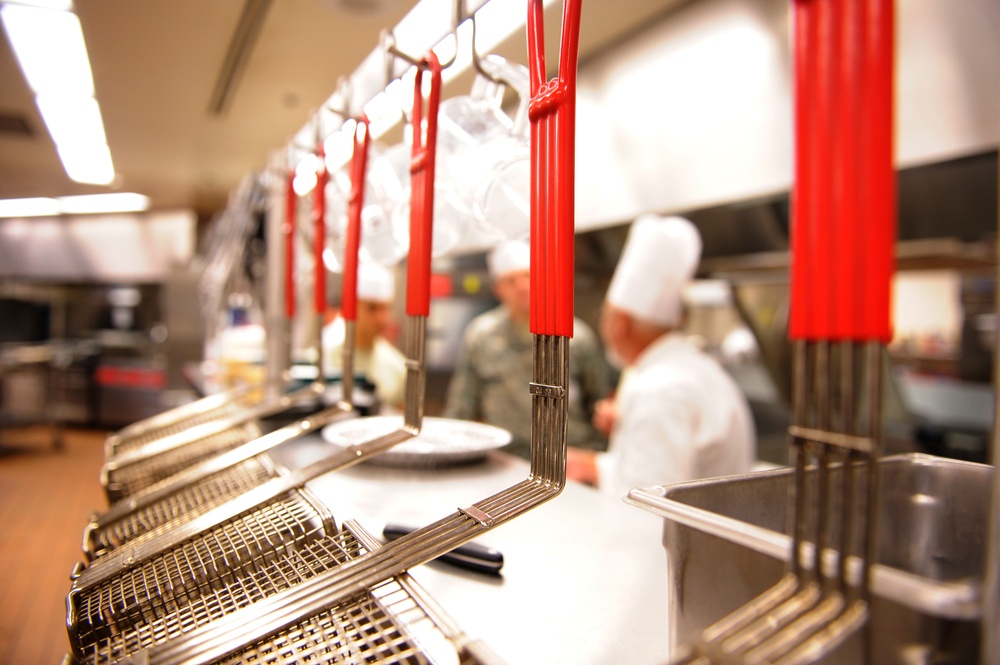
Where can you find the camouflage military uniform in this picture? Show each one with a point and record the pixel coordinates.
(493, 371)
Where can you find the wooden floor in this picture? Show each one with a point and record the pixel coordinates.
(46, 496)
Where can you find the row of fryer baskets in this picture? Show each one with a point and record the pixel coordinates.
(211, 552)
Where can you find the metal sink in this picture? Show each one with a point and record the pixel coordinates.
(726, 542)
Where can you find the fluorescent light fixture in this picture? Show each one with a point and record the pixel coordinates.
(87, 162)
(74, 205)
(48, 41)
(98, 203)
(63, 5)
(35, 207)
(49, 46)
(72, 119)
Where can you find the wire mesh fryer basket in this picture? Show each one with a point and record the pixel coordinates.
(204, 577)
(115, 529)
(393, 622)
(125, 480)
(200, 489)
(135, 437)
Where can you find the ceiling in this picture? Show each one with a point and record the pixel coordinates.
(156, 64)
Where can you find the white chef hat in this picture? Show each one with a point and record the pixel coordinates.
(507, 257)
(375, 282)
(659, 258)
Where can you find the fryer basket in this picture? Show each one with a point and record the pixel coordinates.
(249, 557)
(199, 489)
(122, 480)
(135, 436)
(392, 622)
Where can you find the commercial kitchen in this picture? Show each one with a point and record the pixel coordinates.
(201, 461)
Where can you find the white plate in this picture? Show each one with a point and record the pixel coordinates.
(441, 440)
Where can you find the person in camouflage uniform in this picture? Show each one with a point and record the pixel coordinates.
(493, 369)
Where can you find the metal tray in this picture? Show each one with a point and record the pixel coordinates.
(441, 442)
(726, 542)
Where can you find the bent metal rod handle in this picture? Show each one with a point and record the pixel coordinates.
(422, 173)
(359, 163)
(552, 113)
(288, 231)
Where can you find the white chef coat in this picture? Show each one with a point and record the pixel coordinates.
(680, 417)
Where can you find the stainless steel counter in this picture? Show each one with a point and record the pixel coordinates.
(584, 578)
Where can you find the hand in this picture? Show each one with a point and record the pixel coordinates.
(605, 415)
(581, 465)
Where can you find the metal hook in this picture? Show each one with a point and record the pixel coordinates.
(344, 111)
(476, 61)
(391, 52)
(389, 45)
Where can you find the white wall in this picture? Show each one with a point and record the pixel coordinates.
(99, 248)
(697, 110)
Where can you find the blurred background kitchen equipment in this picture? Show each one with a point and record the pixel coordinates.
(139, 461)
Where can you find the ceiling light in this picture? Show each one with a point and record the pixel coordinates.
(71, 119)
(35, 207)
(64, 5)
(74, 205)
(87, 162)
(48, 41)
(98, 203)
(50, 49)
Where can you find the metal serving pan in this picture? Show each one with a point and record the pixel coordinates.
(727, 541)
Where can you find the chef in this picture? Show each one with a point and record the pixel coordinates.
(374, 356)
(679, 414)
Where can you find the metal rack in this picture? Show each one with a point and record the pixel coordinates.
(179, 593)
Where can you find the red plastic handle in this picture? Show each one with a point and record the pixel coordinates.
(844, 195)
(359, 165)
(802, 283)
(319, 232)
(878, 174)
(288, 230)
(422, 173)
(811, 279)
(552, 113)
